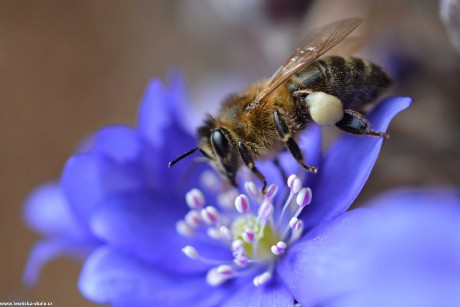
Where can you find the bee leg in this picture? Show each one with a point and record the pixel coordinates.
(291, 144)
(276, 161)
(249, 161)
(356, 123)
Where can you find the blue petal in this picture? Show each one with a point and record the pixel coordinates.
(144, 224)
(405, 245)
(347, 166)
(47, 211)
(112, 277)
(272, 294)
(120, 143)
(88, 179)
(50, 249)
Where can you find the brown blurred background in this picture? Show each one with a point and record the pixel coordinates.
(68, 68)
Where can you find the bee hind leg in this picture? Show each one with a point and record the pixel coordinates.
(356, 123)
(291, 144)
(249, 161)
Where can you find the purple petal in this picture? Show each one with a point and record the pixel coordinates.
(403, 246)
(120, 143)
(48, 250)
(318, 269)
(144, 224)
(273, 293)
(47, 211)
(88, 179)
(347, 166)
(119, 279)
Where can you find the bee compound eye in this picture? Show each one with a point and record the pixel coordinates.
(220, 143)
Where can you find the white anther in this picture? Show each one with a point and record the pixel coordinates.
(266, 210)
(214, 233)
(209, 215)
(251, 188)
(261, 279)
(237, 246)
(304, 197)
(226, 233)
(193, 219)
(271, 191)
(248, 236)
(210, 180)
(293, 222)
(194, 199)
(291, 180)
(184, 229)
(227, 198)
(190, 252)
(214, 278)
(242, 204)
(225, 270)
(241, 260)
(275, 250)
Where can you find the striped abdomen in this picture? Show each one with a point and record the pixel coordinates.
(354, 81)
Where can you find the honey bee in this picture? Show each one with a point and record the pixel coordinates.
(268, 116)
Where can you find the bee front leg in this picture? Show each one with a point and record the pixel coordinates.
(356, 123)
(291, 144)
(249, 161)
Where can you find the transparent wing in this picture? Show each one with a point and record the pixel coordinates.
(315, 44)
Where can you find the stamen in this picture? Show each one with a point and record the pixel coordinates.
(252, 189)
(278, 248)
(238, 246)
(193, 219)
(304, 197)
(261, 279)
(242, 204)
(227, 198)
(225, 270)
(209, 215)
(184, 229)
(226, 233)
(248, 236)
(213, 278)
(194, 199)
(210, 181)
(271, 192)
(214, 234)
(190, 252)
(294, 183)
(241, 260)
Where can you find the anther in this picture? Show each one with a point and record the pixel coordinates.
(304, 197)
(261, 279)
(184, 229)
(214, 233)
(238, 246)
(190, 252)
(242, 204)
(279, 248)
(193, 219)
(248, 236)
(226, 233)
(227, 198)
(241, 260)
(271, 191)
(265, 211)
(209, 215)
(251, 188)
(225, 270)
(194, 199)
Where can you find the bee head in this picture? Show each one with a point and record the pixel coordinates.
(219, 146)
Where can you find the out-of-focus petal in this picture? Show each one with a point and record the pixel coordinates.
(401, 247)
(144, 225)
(88, 179)
(47, 211)
(112, 277)
(50, 249)
(120, 143)
(272, 294)
(317, 269)
(347, 165)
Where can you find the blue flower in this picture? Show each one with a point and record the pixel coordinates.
(120, 202)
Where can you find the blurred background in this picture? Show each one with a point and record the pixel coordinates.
(68, 68)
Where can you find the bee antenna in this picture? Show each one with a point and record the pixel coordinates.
(182, 156)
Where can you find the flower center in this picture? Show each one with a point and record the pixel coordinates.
(256, 235)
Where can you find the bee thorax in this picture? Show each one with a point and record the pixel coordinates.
(324, 109)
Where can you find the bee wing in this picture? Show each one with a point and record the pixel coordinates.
(315, 44)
